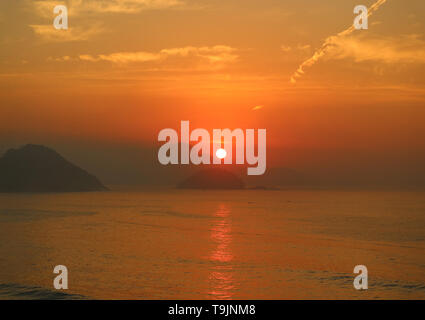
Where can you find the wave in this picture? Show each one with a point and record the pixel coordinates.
(13, 291)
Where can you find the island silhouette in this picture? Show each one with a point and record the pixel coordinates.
(212, 178)
(36, 168)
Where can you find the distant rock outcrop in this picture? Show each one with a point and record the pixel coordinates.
(35, 168)
(214, 178)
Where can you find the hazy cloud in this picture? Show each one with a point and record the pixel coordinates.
(76, 7)
(403, 49)
(48, 33)
(215, 54)
(300, 47)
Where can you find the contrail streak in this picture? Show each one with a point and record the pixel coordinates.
(329, 42)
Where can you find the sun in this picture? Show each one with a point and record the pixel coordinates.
(221, 153)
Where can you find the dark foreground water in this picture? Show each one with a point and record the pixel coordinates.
(176, 244)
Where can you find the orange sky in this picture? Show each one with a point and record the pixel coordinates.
(126, 69)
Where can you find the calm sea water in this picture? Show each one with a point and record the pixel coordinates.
(176, 244)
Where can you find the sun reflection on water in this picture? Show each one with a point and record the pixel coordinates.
(222, 284)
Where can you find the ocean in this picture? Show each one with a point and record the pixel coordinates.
(192, 244)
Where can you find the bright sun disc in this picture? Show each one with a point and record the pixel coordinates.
(221, 153)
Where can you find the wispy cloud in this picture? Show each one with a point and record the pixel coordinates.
(257, 108)
(48, 33)
(218, 53)
(76, 7)
(214, 54)
(403, 49)
(329, 44)
(122, 57)
(300, 47)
